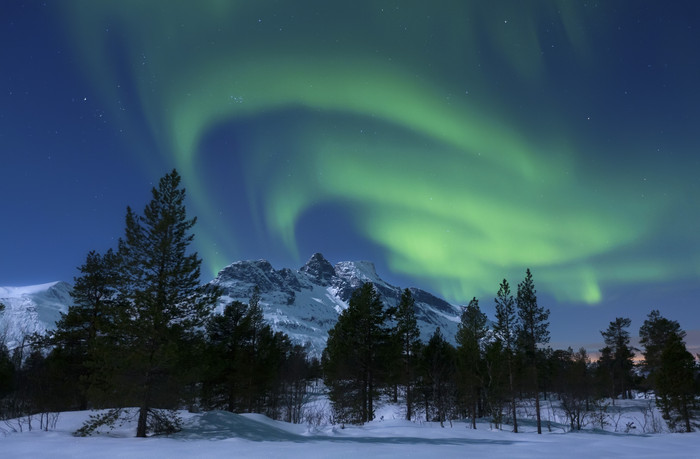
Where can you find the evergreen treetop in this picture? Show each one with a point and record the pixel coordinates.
(533, 326)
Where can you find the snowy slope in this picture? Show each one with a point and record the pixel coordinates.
(31, 309)
(305, 304)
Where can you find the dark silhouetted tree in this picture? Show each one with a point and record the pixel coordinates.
(438, 370)
(76, 340)
(224, 376)
(470, 333)
(505, 330)
(406, 337)
(161, 308)
(675, 383)
(654, 334)
(498, 393)
(351, 357)
(617, 342)
(7, 379)
(251, 368)
(532, 329)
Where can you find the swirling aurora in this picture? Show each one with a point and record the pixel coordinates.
(466, 141)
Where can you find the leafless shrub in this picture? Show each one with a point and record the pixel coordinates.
(650, 422)
(599, 414)
(316, 414)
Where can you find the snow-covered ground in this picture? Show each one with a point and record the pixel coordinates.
(221, 434)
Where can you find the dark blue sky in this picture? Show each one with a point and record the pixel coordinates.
(453, 145)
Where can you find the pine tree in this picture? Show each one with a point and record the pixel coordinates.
(617, 340)
(161, 307)
(676, 387)
(7, 374)
(295, 380)
(438, 368)
(505, 331)
(603, 373)
(257, 333)
(407, 337)
(654, 334)
(532, 329)
(224, 378)
(249, 367)
(470, 333)
(498, 393)
(351, 357)
(76, 338)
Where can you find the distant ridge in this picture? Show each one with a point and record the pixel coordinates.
(305, 303)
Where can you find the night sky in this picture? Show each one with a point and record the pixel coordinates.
(454, 143)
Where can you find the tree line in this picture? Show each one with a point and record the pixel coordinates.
(142, 333)
(497, 367)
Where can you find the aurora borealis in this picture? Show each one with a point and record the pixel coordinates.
(455, 143)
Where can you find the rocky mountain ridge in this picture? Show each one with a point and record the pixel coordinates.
(32, 309)
(306, 303)
(303, 303)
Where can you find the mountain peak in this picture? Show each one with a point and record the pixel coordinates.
(319, 268)
(258, 273)
(364, 271)
(305, 304)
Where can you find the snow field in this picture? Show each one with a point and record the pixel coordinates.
(221, 434)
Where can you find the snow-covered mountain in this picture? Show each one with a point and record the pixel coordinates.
(306, 303)
(31, 309)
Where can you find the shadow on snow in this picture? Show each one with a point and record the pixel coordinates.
(222, 425)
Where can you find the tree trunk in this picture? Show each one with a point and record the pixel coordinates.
(143, 421)
(145, 402)
(686, 413)
(537, 409)
(370, 401)
(512, 396)
(427, 406)
(537, 399)
(409, 402)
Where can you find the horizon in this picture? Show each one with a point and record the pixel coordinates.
(692, 339)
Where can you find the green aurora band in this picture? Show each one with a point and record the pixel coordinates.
(414, 137)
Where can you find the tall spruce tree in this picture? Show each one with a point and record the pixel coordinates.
(675, 383)
(259, 351)
(532, 329)
(225, 371)
(617, 340)
(497, 393)
(407, 337)
(351, 358)
(161, 306)
(654, 334)
(77, 336)
(505, 331)
(470, 333)
(438, 364)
